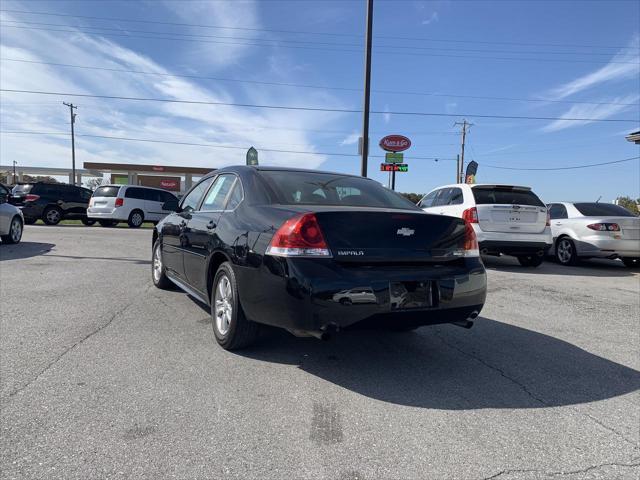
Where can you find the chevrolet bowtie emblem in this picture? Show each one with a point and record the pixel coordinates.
(405, 231)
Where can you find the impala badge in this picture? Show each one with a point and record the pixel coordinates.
(407, 232)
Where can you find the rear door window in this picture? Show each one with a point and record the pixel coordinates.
(218, 192)
(110, 191)
(602, 210)
(191, 201)
(153, 195)
(427, 201)
(136, 193)
(505, 196)
(456, 196)
(442, 198)
(235, 197)
(557, 210)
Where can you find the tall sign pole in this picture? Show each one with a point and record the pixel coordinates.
(72, 107)
(367, 89)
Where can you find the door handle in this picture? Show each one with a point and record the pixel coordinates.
(558, 223)
(211, 225)
(183, 225)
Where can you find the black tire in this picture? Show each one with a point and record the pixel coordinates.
(15, 231)
(30, 221)
(240, 331)
(52, 215)
(159, 276)
(631, 262)
(136, 218)
(530, 260)
(107, 223)
(88, 221)
(566, 253)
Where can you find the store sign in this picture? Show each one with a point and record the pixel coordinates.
(394, 167)
(395, 143)
(158, 169)
(394, 157)
(170, 184)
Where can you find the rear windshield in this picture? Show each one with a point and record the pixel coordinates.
(505, 196)
(602, 210)
(21, 189)
(106, 192)
(312, 188)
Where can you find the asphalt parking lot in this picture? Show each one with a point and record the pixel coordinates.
(104, 376)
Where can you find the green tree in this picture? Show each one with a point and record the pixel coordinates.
(412, 197)
(630, 204)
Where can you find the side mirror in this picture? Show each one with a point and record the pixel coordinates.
(171, 205)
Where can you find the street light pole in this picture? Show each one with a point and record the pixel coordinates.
(367, 89)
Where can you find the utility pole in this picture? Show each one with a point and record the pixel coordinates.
(72, 107)
(14, 172)
(367, 89)
(458, 168)
(465, 126)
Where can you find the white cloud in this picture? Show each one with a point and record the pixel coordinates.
(622, 66)
(351, 139)
(432, 19)
(591, 111)
(386, 116)
(205, 124)
(223, 14)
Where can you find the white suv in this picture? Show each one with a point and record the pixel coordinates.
(507, 219)
(133, 204)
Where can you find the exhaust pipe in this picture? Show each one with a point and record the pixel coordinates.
(468, 323)
(540, 253)
(484, 251)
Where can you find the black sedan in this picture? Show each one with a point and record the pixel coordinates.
(315, 252)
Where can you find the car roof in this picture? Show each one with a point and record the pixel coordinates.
(267, 168)
(482, 185)
(136, 186)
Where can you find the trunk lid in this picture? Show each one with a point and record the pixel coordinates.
(629, 226)
(390, 236)
(509, 209)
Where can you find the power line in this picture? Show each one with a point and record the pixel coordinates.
(564, 168)
(301, 32)
(393, 50)
(210, 145)
(313, 153)
(276, 41)
(317, 109)
(320, 87)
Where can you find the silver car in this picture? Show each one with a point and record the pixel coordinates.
(11, 219)
(594, 230)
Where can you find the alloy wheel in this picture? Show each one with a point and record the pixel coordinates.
(136, 219)
(16, 230)
(53, 215)
(565, 251)
(157, 264)
(223, 305)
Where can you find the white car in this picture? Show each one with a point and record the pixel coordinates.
(133, 204)
(591, 229)
(507, 219)
(11, 218)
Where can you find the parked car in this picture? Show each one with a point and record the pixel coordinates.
(133, 204)
(286, 247)
(507, 219)
(51, 202)
(592, 229)
(11, 218)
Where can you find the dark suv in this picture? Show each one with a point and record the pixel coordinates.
(52, 202)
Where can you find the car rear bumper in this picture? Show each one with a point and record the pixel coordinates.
(304, 295)
(32, 212)
(115, 215)
(514, 243)
(490, 247)
(608, 247)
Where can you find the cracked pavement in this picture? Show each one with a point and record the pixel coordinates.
(103, 376)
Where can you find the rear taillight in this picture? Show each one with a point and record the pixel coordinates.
(30, 197)
(470, 215)
(91, 202)
(604, 227)
(548, 224)
(471, 247)
(299, 236)
(119, 202)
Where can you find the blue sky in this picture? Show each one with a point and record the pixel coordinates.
(557, 53)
